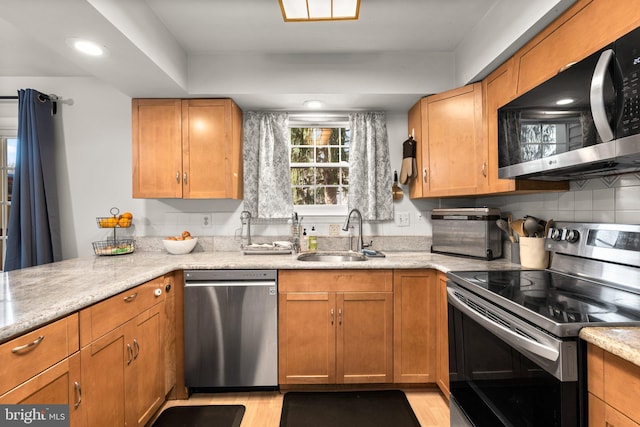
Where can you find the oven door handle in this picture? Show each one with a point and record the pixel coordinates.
(516, 340)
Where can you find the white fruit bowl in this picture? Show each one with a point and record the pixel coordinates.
(180, 247)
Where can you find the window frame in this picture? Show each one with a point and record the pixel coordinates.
(5, 204)
(317, 121)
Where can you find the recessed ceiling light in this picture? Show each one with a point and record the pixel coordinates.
(87, 47)
(319, 10)
(564, 101)
(313, 104)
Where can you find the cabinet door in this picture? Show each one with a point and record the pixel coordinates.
(418, 187)
(210, 149)
(414, 326)
(455, 142)
(58, 385)
(364, 350)
(306, 338)
(108, 383)
(157, 148)
(442, 336)
(148, 362)
(170, 328)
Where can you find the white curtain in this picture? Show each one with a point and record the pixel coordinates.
(370, 178)
(267, 183)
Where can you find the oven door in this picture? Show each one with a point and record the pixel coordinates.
(504, 372)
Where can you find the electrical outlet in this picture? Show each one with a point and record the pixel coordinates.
(334, 230)
(206, 221)
(403, 219)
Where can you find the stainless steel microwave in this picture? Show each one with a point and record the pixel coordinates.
(581, 123)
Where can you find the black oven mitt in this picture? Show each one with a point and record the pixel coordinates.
(409, 166)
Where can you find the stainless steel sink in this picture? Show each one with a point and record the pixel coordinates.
(332, 257)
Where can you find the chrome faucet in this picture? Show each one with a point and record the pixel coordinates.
(361, 244)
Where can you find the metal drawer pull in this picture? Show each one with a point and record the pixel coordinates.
(76, 385)
(340, 316)
(130, 353)
(178, 177)
(137, 348)
(184, 178)
(130, 297)
(331, 316)
(28, 346)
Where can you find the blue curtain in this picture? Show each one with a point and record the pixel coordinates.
(33, 237)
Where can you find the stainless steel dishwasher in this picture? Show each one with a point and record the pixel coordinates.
(231, 328)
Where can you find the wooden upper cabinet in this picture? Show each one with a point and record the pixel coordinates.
(419, 186)
(450, 156)
(584, 28)
(189, 148)
(157, 148)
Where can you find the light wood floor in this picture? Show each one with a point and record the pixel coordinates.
(263, 408)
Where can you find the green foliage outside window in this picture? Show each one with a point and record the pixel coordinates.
(319, 166)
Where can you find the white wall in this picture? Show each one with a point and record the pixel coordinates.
(94, 172)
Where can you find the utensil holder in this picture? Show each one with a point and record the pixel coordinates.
(532, 253)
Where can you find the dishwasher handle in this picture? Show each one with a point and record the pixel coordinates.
(228, 283)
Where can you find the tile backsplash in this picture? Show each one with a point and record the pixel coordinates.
(614, 199)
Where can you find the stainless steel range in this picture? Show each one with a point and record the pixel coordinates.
(515, 358)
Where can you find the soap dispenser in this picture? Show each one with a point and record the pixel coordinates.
(313, 240)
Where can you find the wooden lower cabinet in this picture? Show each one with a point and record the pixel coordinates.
(442, 336)
(122, 372)
(614, 386)
(415, 317)
(58, 385)
(329, 334)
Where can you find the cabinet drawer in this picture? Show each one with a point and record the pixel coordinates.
(622, 385)
(335, 281)
(100, 318)
(32, 353)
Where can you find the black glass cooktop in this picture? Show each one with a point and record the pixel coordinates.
(558, 298)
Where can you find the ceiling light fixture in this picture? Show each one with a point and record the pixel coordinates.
(319, 10)
(87, 47)
(313, 104)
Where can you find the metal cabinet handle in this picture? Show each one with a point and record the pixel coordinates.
(130, 297)
(484, 169)
(424, 175)
(331, 312)
(28, 346)
(339, 316)
(184, 178)
(130, 353)
(78, 389)
(136, 346)
(178, 177)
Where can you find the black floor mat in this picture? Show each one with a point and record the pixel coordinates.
(201, 416)
(389, 408)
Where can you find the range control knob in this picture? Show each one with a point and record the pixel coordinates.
(556, 234)
(573, 236)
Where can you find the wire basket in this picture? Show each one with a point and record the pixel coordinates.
(114, 247)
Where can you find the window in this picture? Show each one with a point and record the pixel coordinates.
(7, 168)
(319, 165)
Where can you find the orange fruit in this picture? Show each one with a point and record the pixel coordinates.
(124, 222)
(127, 215)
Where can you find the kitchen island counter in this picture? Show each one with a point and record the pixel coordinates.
(32, 297)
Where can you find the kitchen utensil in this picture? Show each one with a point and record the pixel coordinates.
(547, 226)
(395, 189)
(530, 226)
(504, 226)
(518, 227)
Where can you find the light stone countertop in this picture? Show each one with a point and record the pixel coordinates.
(34, 296)
(621, 341)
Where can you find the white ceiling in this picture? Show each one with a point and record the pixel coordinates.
(395, 53)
